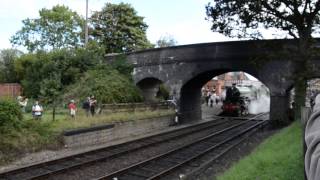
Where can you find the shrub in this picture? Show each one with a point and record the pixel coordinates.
(10, 115)
(107, 85)
(163, 93)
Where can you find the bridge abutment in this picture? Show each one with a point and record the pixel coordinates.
(190, 105)
(279, 106)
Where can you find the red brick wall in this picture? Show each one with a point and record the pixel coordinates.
(10, 90)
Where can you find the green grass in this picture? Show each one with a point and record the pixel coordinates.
(277, 158)
(34, 135)
(64, 122)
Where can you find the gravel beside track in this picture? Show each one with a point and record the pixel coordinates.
(111, 165)
(160, 165)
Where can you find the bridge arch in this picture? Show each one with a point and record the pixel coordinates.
(180, 67)
(149, 87)
(190, 93)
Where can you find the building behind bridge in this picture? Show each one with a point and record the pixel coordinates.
(10, 90)
(218, 83)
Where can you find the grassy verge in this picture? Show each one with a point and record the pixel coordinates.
(46, 134)
(64, 122)
(278, 158)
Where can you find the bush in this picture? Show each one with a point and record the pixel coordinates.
(163, 93)
(10, 115)
(107, 85)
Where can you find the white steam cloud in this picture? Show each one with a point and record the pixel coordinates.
(260, 105)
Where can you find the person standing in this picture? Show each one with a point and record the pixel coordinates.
(212, 99)
(72, 109)
(37, 111)
(86, 106)
(23, 101)
(93, 104)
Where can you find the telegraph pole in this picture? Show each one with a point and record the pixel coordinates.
(86, 25)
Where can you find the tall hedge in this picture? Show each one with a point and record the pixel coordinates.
(107, 85)
(10, 115)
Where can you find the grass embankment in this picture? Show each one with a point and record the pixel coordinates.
(278, 158)
(35, 135)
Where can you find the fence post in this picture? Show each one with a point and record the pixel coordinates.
(305, 114)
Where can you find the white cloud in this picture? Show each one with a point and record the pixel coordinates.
(186, 32)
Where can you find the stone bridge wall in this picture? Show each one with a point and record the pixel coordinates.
(185, 69)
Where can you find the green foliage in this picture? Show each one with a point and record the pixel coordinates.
(106, 84)
(238, 18)
(69, 65)
(298, 19)
(51, 88)
(46, 134)
(30, 137)
(56, 28)
(10, 115)
(122, 66)
(29, 68)
(119, 29)
(166, 41)
(7, 59)
(279, 157)
(163, 93)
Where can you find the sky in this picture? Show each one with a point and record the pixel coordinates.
(184, 20)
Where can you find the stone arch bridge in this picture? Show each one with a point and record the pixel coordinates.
(185, 69)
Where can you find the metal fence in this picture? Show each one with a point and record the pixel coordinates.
(127, 107)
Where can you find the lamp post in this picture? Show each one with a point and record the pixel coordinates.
(86, 25)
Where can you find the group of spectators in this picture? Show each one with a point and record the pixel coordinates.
(211, 97)
(37, 109)
(89, 105)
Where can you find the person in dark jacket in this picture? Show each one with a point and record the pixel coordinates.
(86, 106)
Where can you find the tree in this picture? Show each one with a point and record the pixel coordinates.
(7, 70)
(166, 41)
(56, 28)
(106, 84)
(119, 29)
(299, 19)
(51, 90)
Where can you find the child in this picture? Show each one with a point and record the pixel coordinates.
(73, 108)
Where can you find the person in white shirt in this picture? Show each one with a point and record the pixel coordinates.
(37, 110)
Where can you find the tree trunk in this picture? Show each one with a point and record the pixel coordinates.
(302, 71)
(299, 97)
(54, 112)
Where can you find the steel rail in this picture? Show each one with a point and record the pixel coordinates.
(122, 171)
(48, 172)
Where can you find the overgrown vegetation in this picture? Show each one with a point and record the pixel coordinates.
(20, 135)
(279, 157)
(59, 67)
(107, 84)
(32, 135)
(10, 116)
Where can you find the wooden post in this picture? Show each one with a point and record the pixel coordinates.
(305, 114)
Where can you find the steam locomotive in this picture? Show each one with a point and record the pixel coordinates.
(235, 103)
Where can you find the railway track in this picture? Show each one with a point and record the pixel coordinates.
(51, 168)
(161, 165)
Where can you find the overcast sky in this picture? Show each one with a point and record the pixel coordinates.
(184, 20)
